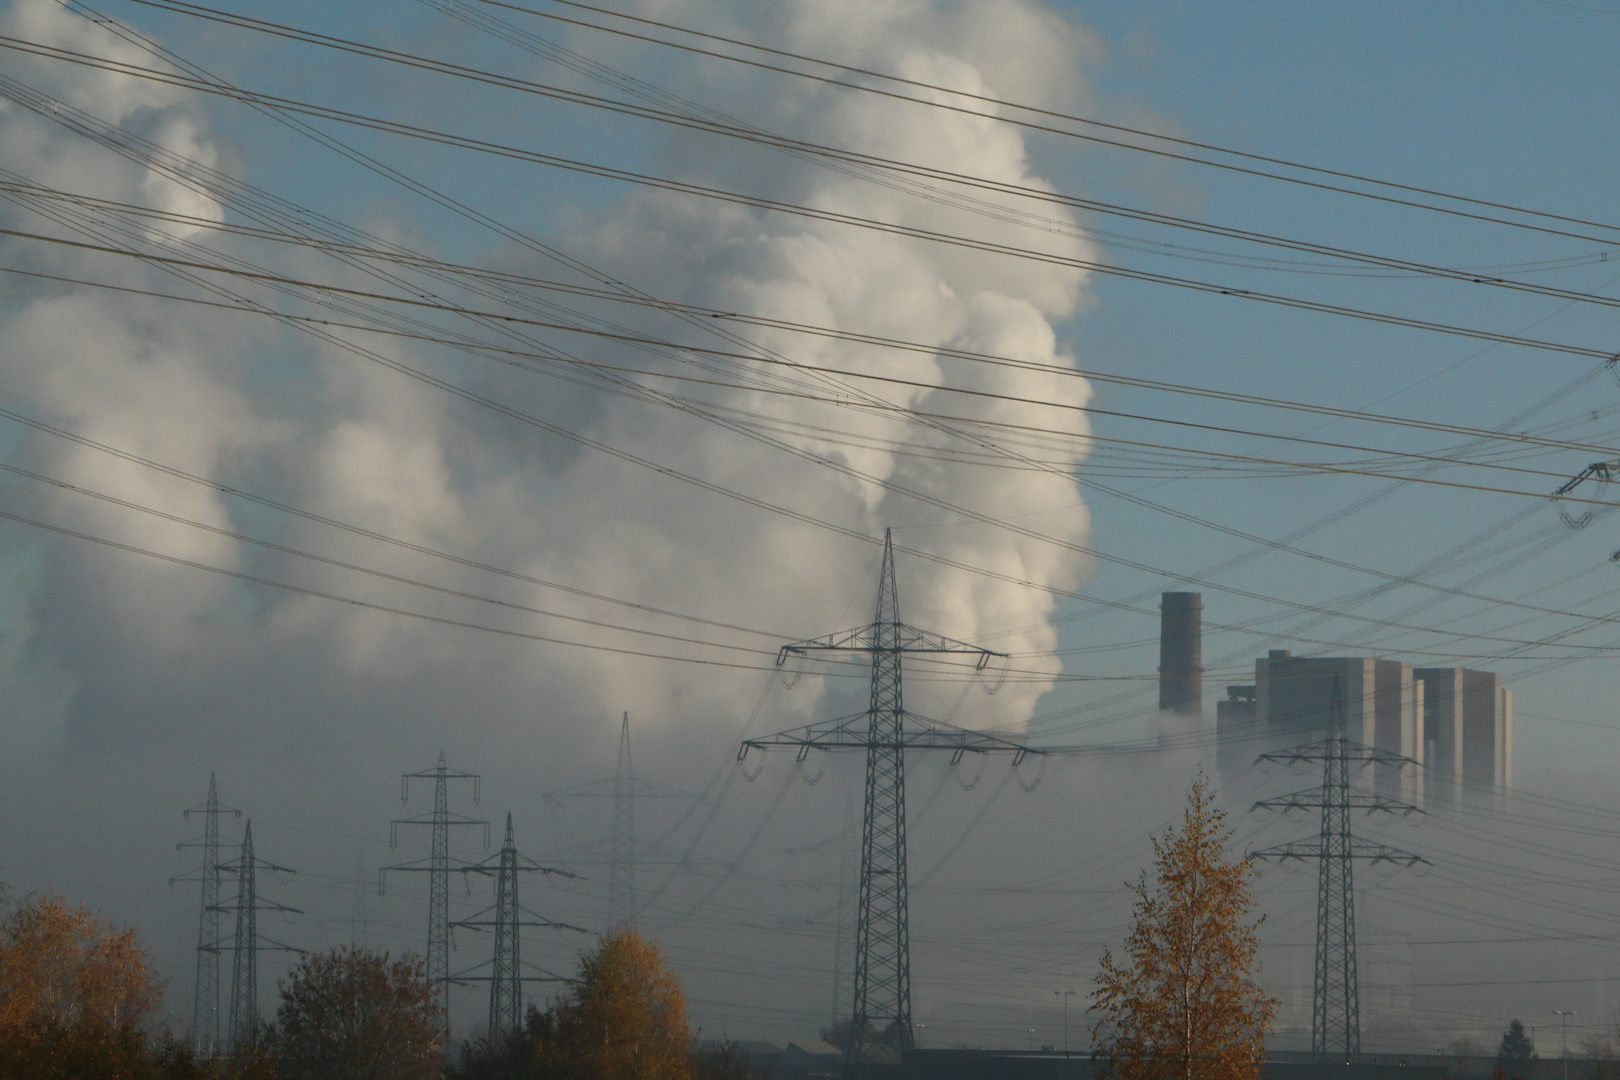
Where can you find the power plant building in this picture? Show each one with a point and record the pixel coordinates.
(1456, 723)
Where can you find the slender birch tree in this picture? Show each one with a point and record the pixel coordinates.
(1183, 1003)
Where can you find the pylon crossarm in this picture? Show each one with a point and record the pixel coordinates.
(1380, 853)
(906, 638)
(844, 733)
(923, 733)
(1317, 799)
(235, 867)
(260, 905)
(1301, 850)
(615, 787)
(449, 818)
(546, 974)
(919, 733)
(492, 866)
(478, 922)
(203, 808)
(1298, 851)
(434, 774)
(1317, 752)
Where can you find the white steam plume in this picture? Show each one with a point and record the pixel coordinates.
(182, 669)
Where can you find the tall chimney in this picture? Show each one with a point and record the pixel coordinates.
(1181, 653)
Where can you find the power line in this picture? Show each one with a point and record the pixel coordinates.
(758, 135)
(825, 215)
(945, 351)
(841, 82)
(822, 460)
(1330, 467)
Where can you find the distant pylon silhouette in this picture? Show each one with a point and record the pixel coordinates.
(1336, 1002)
(880, 1022)
(244, 1017)
(206, 1035)
(625, 852)
(437, 867)
(622, 850)
(506, 918)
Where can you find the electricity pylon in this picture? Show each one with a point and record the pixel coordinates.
(244, 1017)
(880, 1021)
(437, 867)
(624, 850)
(205, 1027)
(505, 917)
(1336, 1005)
(622, 847)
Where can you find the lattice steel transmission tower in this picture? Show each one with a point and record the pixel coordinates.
(205, 1017)
(1336, 1005)
(625, 851)
(244, 1016)
(622, 847)
(505, 918)
(437, 867)
(880, 1021)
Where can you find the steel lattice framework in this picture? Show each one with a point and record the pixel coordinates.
(205, 1017)
(244, 1015)
(437, 867)
(1336, 1004)
(622, 845)
(880, 1023)
(625, 852)
(505, 918)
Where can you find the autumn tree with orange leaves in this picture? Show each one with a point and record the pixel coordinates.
(62, 966)
(77, 998)
(624, 1019)
(1184, 1003)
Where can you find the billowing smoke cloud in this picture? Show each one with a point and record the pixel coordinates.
(137, 676)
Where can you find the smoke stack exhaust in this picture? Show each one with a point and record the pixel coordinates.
(1181, 654)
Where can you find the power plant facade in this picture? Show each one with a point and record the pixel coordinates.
(1457, 723)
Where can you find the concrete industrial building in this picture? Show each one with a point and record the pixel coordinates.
(1456, 723)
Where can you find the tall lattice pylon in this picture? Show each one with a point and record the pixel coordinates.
(437, 867)
(880, 1021)
(247, 942)
(506, 918)
(206, 1033)
(622, 845)
(1336, 1004)
(625, 852)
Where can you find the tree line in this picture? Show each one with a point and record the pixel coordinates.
(80, 1000)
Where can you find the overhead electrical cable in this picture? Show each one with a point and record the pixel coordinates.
(438, 305)
(943, 504)
(340, 564)
(825, 215)
(1167, 510)
(253, 579)
(890, 164)
(839, 81)
(944, 351)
